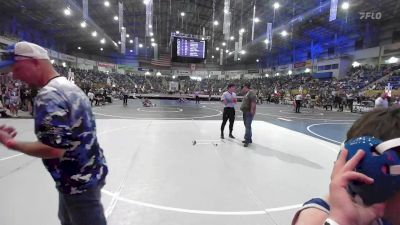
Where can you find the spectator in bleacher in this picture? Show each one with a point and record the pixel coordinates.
(91, 97)
(298, 99)
(382, 101)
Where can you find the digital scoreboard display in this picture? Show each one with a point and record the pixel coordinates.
(186, 47)
(188, 50)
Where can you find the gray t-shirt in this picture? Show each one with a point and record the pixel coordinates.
(230, 99)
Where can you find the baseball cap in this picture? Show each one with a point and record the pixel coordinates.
(19, 51)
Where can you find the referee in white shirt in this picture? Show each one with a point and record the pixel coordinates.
(229, 100)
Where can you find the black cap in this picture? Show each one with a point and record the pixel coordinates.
(231, 85)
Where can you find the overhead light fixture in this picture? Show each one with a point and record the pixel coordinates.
(216, 23)
(83, 24)
(116, 18)
(146, 2)
(103, 41)
(115, 44)
(212, 56)
(284, 33)
(140, 45)
(276, 5)
(226, 11)
(217, 48)
(153, 44)
(307, 70)
(183, 14)
(266, 75)
(173, 77)
(223, 43)
(227, 51)
(355, 64)
(150, 26)
(101, 49)
(256, 20)
(79, 48)
(177, 32)
(151, 34)
(277, 74)
(127, 35)
(345, 5)
(131, 50)
(239, 59)
(94, 33)
(131, 41)
(119, 42)
(232, 38)
(67, 11)
(243, 52)
(241, 31)
(203, 39)
(290, 72)
(266, 41)
(257, 60)
(152, 40)
(393, 60)
(106, 3)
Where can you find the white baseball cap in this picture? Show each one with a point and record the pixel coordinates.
(22, 50)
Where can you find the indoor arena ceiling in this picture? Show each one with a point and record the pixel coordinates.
(305, 20)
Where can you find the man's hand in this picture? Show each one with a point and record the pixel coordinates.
(7, 139)
(343, 208)
(9, 130)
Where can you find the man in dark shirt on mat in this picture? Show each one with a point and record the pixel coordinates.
(248, 108)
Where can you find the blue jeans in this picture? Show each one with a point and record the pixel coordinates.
(248, 119)
(82, 209)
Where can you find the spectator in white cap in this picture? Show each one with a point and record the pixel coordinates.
(66, 133)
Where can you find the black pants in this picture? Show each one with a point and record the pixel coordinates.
(81, 209)
(125, 99)
(197, 99)
(229, 113)
(350, 104)
(298, 105)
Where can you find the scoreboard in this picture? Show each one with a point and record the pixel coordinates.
(191, 48)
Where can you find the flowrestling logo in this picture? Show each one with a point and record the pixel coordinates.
(370, 15)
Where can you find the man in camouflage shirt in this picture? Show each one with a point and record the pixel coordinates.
(66, 132)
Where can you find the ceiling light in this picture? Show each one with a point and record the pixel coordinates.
(393, 60)
(115, 44)
(103, 41)
(127, 35)
(345, 5)
(257, 60)
(116, 18)
(355, 64)
(94, 33)
(232, 38)
(243, 52)
(203, 39)
(227, 51)
(238, 59)
(217, 48)
(266, 41)
(212, 57)
(290, 72)
(101, 49)
(152, 40)
(131, 41)
(67, 11)
(150, 26)
(153, 44)
(183, 14)
(151, 34)
(216, 23)
(223, 43)
(106, 3)
(79, 48)
(284, 33)
(173, 77)
(241, 31)
(307, 70)
(119, 42)
(276, 5)
(267, 75)
(140, 45)
(177, 32)
(257, 20)
(146, 2)
(131, 50)
(83, 24)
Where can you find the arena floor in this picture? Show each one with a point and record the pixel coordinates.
(168, 166)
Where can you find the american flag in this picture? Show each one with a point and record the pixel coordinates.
(163, 61)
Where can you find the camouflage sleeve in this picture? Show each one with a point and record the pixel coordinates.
(52, 125)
